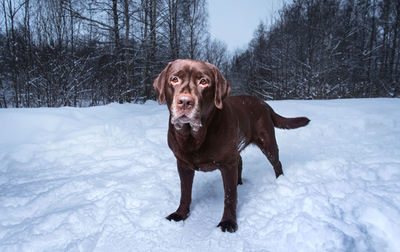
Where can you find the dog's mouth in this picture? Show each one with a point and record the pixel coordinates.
(179, 122)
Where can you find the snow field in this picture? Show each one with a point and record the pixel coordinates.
(103, 179)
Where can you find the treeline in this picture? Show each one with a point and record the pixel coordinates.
(320, 49)
(89, 52)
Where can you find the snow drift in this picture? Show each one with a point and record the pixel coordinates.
(103, 179)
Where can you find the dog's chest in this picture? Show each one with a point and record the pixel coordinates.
(200, 160)
(203, 161)
(204, 155)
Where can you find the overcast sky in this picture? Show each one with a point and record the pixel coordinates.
(234, 21)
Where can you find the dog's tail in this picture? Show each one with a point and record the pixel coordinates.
(289, 123)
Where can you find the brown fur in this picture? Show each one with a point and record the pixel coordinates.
(208, 130)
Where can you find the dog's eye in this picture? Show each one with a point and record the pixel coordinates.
(203, 82)
(174, 80)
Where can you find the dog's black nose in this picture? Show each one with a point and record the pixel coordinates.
(185, 102)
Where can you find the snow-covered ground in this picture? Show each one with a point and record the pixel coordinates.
(103, 179)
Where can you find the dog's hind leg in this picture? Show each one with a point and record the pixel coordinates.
(265, 140)
(273, 157)
(240, 166)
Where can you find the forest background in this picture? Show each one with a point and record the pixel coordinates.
(92, 52)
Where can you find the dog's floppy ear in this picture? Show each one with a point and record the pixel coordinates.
(159, 84)
(222, 88)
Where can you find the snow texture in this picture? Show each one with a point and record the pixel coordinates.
(103, 179)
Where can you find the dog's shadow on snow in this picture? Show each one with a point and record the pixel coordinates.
(207, 189)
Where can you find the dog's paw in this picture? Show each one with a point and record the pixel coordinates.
(279, 174)
(229, 226)
(176, 217)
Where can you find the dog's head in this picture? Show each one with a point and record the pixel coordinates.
(192, 90)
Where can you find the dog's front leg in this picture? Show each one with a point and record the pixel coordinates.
(230, 180)
(186, 176)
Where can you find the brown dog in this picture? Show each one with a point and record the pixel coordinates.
(208, 130)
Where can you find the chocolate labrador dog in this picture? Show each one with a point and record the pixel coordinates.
(208, 130)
